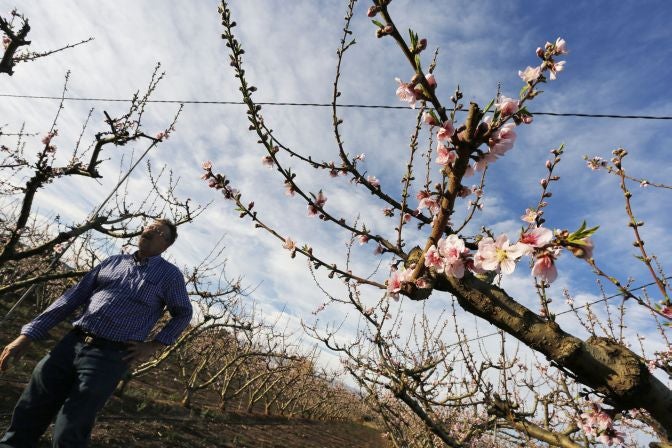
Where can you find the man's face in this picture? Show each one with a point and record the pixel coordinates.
(154, 239)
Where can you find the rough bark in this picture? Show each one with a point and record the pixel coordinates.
(599, 363)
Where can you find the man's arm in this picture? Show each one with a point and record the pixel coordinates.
(179, 307)
(63, 306)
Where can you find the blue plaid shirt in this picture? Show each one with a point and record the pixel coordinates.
(123, 299)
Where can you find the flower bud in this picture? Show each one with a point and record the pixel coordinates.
(543, 182)
(373, 10)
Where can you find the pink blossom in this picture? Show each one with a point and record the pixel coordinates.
(363, 239)
(267, 161)
(407, 217)
(530, 215)
(530, 74)
(596, 163)
(651, 365)
(537, 237)
(372, 11)
(207, 165)
(503, 140)
(6, 41)
(160, 135)
(289, 189)
(395, 282)
(484, 161)
(507, 106)
(644, 183)
(430, 203)
(375, 183)
(560, 46)
(453, 250)
(433, 259)
(429, 119)
(406, 93)
(320, 200)
(527, 119)
(360, 157)
(445, 131)
(499, 255)
(430, 80)
(555, 68)
(289, 244)
(422, 283)
(213, 183)
(445, 156)
(666, 311)
(47, 138)
(544, 267)
(379, 249)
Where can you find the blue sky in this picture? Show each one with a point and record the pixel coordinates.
(618, 63)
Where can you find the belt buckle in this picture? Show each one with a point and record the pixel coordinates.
(88, 339)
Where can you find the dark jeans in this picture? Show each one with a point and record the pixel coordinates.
(73, 382)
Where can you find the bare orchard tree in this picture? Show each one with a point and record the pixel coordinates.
(466, 266)
(31, 239)
(15, 29)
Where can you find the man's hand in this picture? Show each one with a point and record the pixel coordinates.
(139, 352)
(14, 351)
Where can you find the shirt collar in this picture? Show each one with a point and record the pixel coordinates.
(149, 261)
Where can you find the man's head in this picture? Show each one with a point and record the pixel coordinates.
(156, 238)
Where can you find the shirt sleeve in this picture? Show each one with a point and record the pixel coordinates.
(62, 307)
(179, 307)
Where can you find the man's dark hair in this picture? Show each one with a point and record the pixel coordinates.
(173, 229)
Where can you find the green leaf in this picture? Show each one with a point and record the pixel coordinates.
(417, 61)
(487, 108)
(377, 23)
(414, 38)
(582, 233)
(523, 112)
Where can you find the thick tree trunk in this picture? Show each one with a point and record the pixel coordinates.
(599, 363)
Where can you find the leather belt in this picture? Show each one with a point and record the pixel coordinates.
(96, 341)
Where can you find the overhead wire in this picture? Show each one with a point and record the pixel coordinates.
(296, 104)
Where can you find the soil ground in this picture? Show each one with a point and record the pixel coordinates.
(149, 414)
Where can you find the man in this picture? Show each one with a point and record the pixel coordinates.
(123, 298)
